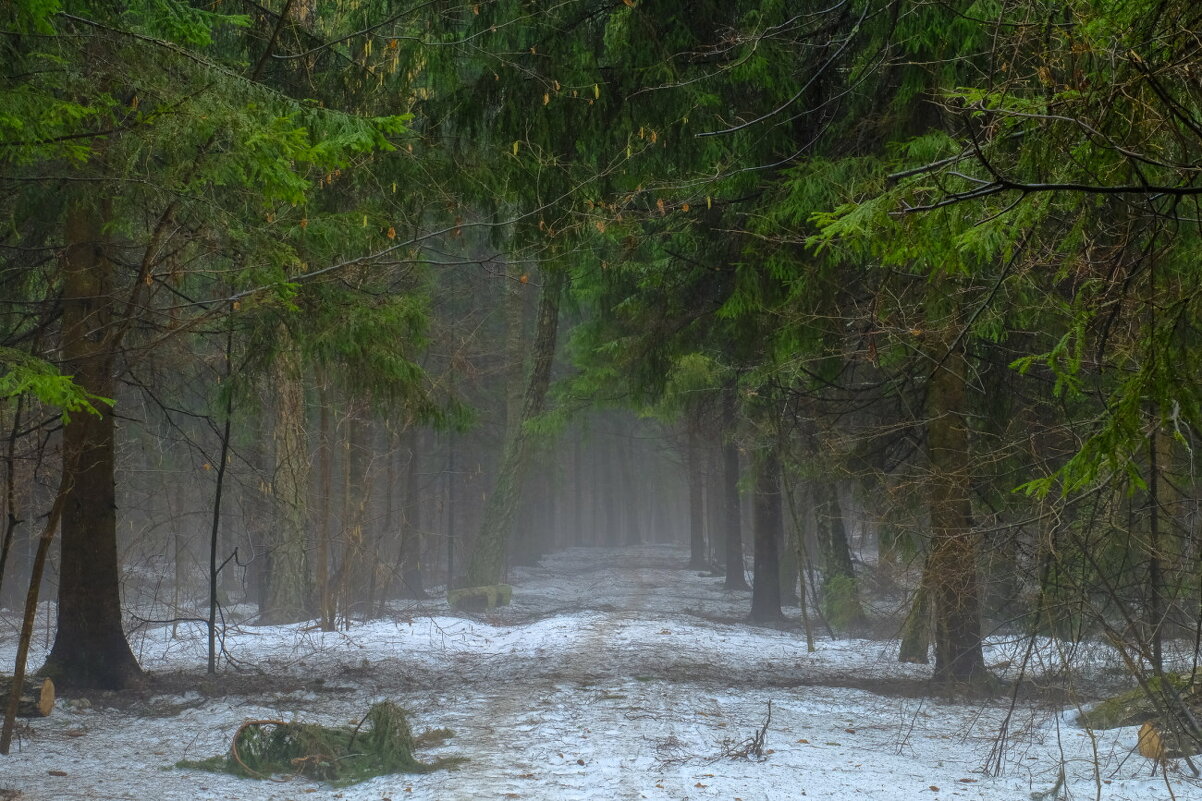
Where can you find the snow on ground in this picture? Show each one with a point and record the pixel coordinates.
(616, 674)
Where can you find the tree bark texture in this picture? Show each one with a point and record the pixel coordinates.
(12, 707)
(11, 518)
(715, 520)
(325, 492)
(916, 631)
(488, 552)
(90, 649)
(1156, 568)
(840, 591)
(632, 490)
(953, 557)
(577, 537)
(797, 533)
(387, 538)
(288, 568)
(765, 588)
(695, 458)
(410, 557)
(736, 578)
(357, 564)
(790, 570)
(218, 491)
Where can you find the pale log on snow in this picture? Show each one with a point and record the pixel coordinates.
(37, 696)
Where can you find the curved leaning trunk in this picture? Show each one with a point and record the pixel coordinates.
(488, 552)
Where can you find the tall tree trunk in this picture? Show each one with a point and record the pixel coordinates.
(1155, 600)
(452, 507)
(11, 517)
(325, 492)
(175, 510)
(412, 580)
(953, 556)
(840, 591)
(577, 537)
(765, 588)
(218, 492)
(694, 457)
(631, 492)
(375, 534)
(799, 549)
(916, 631)
(488, 552)
(715, 520)
(90, 649)
(356, 569)
(612, 531)
(288, 572)
(790, 570)
(13, 701)
(388, 533)
(735, 570)
(598, 495)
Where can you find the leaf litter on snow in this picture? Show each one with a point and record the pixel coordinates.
(616, 673)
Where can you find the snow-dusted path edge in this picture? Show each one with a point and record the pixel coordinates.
(618, 684)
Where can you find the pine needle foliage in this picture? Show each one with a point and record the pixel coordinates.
(22, 374)
(383, 743)
(1064, 169)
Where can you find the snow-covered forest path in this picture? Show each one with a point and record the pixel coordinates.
(616, 674)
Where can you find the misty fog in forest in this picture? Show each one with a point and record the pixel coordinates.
(600, 400)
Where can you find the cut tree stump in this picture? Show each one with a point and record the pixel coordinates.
(37, 696)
